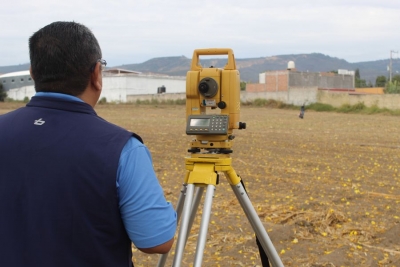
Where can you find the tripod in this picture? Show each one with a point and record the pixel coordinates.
(202, 173)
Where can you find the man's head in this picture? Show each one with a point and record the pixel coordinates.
(63, 57)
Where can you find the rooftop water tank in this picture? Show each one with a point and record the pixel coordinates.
(291, 65)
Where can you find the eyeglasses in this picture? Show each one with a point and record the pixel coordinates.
(102, 62)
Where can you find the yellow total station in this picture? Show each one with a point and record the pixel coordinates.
(209, 90)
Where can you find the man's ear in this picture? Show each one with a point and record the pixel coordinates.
(96, 77)
(30, 72)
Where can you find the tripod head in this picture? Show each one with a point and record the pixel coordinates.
(213, 103)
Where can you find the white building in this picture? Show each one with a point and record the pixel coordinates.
(117, 84)
(18, 85)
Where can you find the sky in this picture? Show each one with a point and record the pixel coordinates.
(131, 31)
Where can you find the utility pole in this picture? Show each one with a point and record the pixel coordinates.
(390, 65)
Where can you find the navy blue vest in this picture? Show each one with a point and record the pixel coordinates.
(58, 197)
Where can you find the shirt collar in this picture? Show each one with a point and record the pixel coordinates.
(59, 95)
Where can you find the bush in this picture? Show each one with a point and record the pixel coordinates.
(269, 103)
(375, 109)
(259, 102)
(392, 88)
(103, 100)
(180, 101)
(346, 108)
(320, 107)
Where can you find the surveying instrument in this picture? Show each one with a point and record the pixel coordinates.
(210, 89)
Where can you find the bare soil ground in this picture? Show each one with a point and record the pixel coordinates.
(326, 187)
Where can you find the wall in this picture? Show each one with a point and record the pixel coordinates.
(255, 87)
(250, 96)
(274, 81)
(158, 97)
(294, 95)
(304, 79)
(117, 88)
(302, 95)
(270, 82)
(21, 93)
(322, 80)
(338, 99)
(370, 90)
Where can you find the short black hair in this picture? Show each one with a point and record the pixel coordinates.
(62, 56)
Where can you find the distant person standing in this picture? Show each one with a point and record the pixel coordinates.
(302, 110)
(75, 190)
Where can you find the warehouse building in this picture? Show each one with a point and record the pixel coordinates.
(118, 84)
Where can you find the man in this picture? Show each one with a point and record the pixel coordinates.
(75, 190)
(302, 110)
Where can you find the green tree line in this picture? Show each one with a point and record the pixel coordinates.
(390, 87)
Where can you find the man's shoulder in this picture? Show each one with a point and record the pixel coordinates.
(11, 113)
(106, 125)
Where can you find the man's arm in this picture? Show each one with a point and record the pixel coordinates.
(161, 249)
(149, 219)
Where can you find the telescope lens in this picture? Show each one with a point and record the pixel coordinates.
(208, 87)
(203, 87)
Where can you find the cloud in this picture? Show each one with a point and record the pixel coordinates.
(135, 31)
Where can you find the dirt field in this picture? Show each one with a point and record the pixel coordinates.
(326, 187)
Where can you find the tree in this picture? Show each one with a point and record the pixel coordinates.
(242, 86)
(380, 81)
(3, 93)
(357, 74)
(359, 83)
(396, 78)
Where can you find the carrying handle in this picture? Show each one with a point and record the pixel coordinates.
(230, 65)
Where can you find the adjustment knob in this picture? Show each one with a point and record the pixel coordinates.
(222, 105)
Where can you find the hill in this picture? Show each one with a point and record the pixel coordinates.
(250, 67)
(13, 68)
